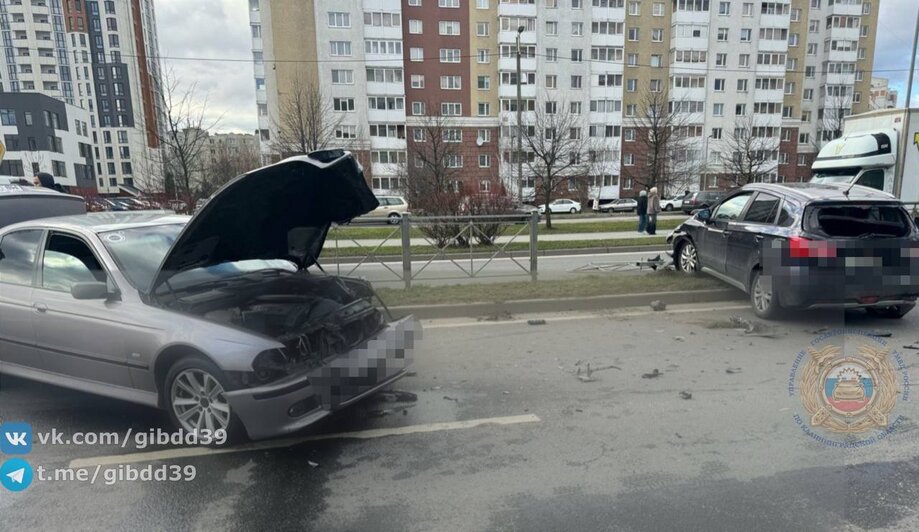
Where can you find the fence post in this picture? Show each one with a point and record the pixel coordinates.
(406, 226)
(534, 243)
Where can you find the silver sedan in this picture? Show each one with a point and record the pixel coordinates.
(217, 318)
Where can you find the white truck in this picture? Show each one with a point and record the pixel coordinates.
(878, 149)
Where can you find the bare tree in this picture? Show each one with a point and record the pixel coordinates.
(832, 117)
(667, 157)
(179, 163)
(224, 163)
(557, 153)
(307, 121)
(433, 168)
(752, 152)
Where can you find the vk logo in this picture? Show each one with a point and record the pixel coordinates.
(16, 474)
(15, 438)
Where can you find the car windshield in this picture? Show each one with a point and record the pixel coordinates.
(140, 251)
(830, 178)
(860, 221)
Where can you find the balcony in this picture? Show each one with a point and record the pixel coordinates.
(847, 34)
(386, 115)
(768, 95)
(854, 10)
(387, 143)
(391, 88)
(691, 17)
(384, 32)
(510, 91)
(773, 46)
(840, 79)
(774, 21)
(840, 56)
(509, 64)
(527, 37)
(517, 10)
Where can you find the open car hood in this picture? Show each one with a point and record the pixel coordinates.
(282, 211)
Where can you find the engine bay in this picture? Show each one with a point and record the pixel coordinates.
(315, 317)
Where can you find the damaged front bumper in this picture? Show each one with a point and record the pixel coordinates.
(300, 400)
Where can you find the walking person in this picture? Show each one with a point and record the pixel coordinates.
(654, 208)
(642, 211)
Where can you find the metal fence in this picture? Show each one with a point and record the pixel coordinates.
(469, 245)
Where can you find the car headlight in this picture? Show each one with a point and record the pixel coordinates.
(270, 365)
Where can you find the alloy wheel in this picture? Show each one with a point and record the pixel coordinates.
(198, 401)
(688, 258)
(762, 295)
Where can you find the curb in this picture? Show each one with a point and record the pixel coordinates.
(515, 254)
(531, 306)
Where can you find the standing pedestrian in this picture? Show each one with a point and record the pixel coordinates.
(642, 211)
(654, 208)
(46, 180)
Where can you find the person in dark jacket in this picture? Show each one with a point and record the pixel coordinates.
(46, 180)
(642, 210)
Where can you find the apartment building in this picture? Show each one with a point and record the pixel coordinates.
(786, 71)
(44, 134)
(98, 56)
(882, 96)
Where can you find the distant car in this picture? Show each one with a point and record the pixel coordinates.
(806, 245)
(178, 205)
(129, 204)
(391, 207)
(702, 200)
(672, 204)
(560, 206)
(619, 205)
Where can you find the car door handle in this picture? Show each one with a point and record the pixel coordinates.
(41, 307)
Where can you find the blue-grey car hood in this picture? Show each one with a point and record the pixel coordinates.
(282, 211)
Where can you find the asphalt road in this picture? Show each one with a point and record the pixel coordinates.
(619, 452)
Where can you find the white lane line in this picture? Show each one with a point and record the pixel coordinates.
(189, 452)
(591, 316)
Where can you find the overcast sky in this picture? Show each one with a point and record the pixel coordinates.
(220, 29)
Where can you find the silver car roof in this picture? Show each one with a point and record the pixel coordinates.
(100, 222)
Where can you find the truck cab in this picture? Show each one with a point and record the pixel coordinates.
(865, 158)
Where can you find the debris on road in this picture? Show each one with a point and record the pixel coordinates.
(411, 374)
(654, 374)
(505, 392)
(448, 398)
(679, 338)
(396, 396)
(497, 316)
(536, 322)
(312, 463)
(821, 330)
(732, 371)
(378, 413)
(685, 395)
(657, 305)
(912, 346)
(754, 328)
(880, 334)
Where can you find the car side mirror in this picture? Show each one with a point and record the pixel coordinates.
(91, 290)
(704, 215)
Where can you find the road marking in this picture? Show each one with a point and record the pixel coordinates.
(432, 324)
(189, 452)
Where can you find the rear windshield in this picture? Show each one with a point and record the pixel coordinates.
(858, 220)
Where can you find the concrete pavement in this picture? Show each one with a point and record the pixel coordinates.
(617, 452)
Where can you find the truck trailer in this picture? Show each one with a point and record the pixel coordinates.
(878, 149)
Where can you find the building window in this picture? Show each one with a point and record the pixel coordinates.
(484, 108)
(342, 77)
(418, 109)
(416, 54)
(451, 109)
(340, 48)
(551, 28)
(449, 55)
(415, 27)
(724, 8)
(657, 35)
(576, 82)
(339, 20)
(451, 82)
(7, 117)
(484, 161)
(481, 29)
(448, 27)
(343, 104)
(634, 9)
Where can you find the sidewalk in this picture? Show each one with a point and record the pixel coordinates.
(523, 237)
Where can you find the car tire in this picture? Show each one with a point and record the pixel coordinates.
(764, 298)
(178, 386)
(686, 257)
(394, 218)
(668, 208)
(573, 211)
(892, 313)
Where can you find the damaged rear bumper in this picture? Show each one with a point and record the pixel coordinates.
(298, 401)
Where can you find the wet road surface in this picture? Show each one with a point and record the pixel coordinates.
(615, 451)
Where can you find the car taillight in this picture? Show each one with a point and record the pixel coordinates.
(803, 248)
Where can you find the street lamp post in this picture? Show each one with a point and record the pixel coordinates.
(519, 124)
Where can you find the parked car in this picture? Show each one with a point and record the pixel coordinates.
(702, 199)
(177, 205)
(129, 204)
(215, 318)
(672, 204)
(25, 202)
(619, 205)
(390, 207)
(806, 245)
(561, 205)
